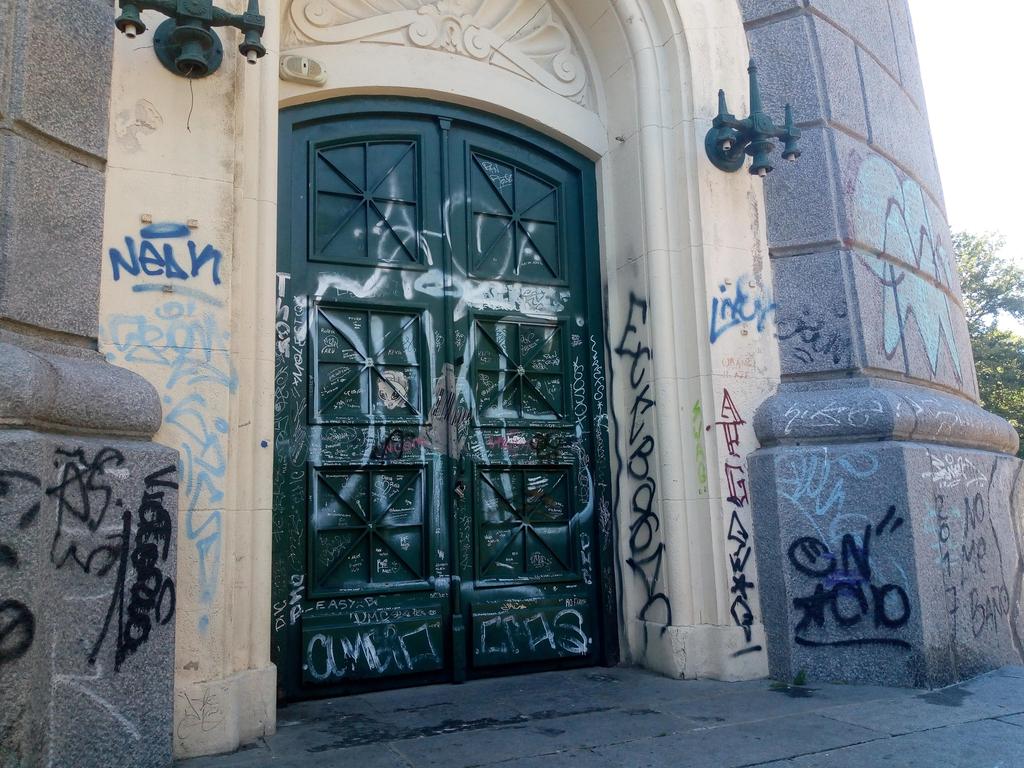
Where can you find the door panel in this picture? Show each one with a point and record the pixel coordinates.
(361, 528)
(435, 474)
(366, 201)
(516, 237)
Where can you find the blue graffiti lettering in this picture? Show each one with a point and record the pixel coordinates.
(729, 311)
(203, 467)
(159, 260)
(182, 349)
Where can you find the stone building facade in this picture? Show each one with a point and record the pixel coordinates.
(474, 363)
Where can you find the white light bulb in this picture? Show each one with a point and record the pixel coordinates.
(727, 146)
(251, 57)
(762, 172)
(130, 31)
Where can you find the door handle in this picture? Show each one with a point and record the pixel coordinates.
(460, 490)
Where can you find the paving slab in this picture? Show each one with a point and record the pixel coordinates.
(577, 758)
(997, 688)
(744, 744)
(769, 700)
(257, 754)
(899, 716)
(539, 736)
(984, 744)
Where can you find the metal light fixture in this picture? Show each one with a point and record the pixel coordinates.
(730, 140)
(185, 43)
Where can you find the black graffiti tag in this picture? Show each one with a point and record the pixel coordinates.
(151, 597)
(646, 554)
(17, 630)
(10, 480)
(83, 500)
(17, 622)
(813, 338)
(845, 588)
(740, 609)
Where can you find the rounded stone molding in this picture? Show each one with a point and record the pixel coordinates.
(878, 409)
(87, 395)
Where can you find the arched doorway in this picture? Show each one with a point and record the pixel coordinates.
(439, 441)
(669, 237)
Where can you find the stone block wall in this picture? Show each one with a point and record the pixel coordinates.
(88, 507)
(87, 567)
(864, 198)
(899, 563)
(54, 153)
(885, 498)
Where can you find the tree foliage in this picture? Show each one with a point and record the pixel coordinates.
(993, 291)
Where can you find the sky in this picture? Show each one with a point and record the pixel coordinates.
(972, 62)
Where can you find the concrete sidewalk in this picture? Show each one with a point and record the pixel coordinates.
(625, 717)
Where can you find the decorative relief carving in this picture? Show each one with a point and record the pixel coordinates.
(526, 37)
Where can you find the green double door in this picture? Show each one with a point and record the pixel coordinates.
(439, 458)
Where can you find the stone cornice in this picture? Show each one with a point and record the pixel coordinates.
(877, 409)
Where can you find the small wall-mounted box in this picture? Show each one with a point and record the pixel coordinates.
(302, 69)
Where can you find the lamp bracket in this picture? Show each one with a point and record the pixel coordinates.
(169, 51)
(185, 43)
(730, 140)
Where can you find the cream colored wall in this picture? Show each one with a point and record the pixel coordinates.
(195, 155)
(673, 229)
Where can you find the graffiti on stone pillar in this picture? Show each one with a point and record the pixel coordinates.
(847, 596)
(17, 621)
(17, 629)
(646, 550)
(97, 534)
(971, 556)
(850, 586)
(904, 246)
(815, 336)
(84, 499)
(1017, 525)
(144, 595)
(15, 487)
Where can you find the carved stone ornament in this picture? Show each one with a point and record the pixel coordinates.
(526, 37)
